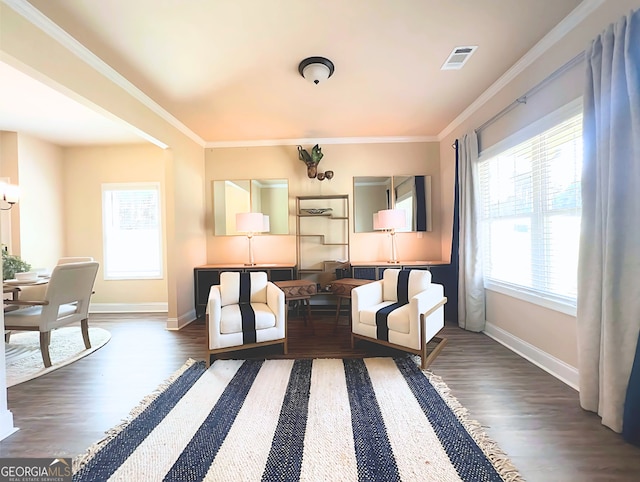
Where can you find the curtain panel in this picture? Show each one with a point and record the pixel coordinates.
(471, 297)
(608, 306)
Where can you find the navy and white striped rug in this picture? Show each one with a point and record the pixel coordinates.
(375, 419)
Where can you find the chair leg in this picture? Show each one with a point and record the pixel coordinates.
(285, 347)
(45, 338)
(428, 360)
(84, 325)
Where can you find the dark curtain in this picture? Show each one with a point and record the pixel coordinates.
(448, 275)
(631, 416)
(421, 205)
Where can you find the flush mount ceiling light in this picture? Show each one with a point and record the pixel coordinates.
(316, 69)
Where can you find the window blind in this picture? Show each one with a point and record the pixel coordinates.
(132, 231)
(531, 206)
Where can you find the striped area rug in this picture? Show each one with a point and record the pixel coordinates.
(374, 419)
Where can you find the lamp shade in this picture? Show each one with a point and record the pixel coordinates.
(391, 219)
(250, 222)
(376, 222)
(9, 193)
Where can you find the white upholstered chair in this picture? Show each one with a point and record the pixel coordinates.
(74, 259)
(36, 292)
(244, 311)
(403, 310)
(65, 301)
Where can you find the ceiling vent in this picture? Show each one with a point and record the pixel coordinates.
(458, 57)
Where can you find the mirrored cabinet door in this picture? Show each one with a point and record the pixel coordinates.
(409, 193)
(266, 196)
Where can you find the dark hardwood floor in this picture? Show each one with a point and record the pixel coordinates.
(535, 418)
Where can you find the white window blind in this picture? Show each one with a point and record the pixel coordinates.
(531, 205)
(132, 231)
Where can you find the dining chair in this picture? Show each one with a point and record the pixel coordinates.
(36, 292)
(66, 301)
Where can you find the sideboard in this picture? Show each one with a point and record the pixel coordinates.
(208, 275)
(373, 269)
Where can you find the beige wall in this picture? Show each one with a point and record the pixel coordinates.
(347, 161)
(33, 51)
(85, 170)
(550, 331)
(41, 203)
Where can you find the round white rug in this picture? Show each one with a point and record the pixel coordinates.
(24, 360)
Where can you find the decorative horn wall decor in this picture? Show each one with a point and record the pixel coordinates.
(312, 160)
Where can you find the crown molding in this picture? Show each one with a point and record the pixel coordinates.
(44, 23)
(321, 140)
(566, 25)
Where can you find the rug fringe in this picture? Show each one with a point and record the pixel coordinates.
(490, 447)
(82, 459)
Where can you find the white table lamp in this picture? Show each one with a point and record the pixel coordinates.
(390, 220)
(251, 223)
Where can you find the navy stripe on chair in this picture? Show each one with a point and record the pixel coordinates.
(245, 288)
(248, 323)
(382, 315)
(403, 286)
(246, 310)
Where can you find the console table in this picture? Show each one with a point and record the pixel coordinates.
(373, 269)
(208, 275)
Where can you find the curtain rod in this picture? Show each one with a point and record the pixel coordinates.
(523, 98)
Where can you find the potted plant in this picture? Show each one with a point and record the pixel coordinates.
(12, 264)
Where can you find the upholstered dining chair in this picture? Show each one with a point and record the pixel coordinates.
(244, 311)
(36, 292)
(403, 310)
(74, 259)
(65, 301)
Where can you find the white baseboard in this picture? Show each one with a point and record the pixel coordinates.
(175, 324)
(552, 365)
(6, 424)
(151, 307)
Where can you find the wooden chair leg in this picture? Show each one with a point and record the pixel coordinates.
(84, 325)
(426, 361)
(45, 338)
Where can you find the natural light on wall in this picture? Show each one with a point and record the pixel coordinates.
(132, 231)
(531, 207)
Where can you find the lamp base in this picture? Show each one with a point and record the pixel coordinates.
(249, 264)
(393, 262)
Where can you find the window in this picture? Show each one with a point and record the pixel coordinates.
(531, 204)
(132, 231)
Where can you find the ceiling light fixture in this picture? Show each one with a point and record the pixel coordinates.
(316, 69)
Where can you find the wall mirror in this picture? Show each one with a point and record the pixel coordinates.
(410, 193)
(267, 196)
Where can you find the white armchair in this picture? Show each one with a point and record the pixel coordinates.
(403, 310)
(65, 301)
(244, 311)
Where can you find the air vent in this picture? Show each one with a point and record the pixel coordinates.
(458, 57)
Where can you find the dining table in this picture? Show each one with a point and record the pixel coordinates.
(14, 287)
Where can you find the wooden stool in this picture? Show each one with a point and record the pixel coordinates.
(298, 289)
(341, 288)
